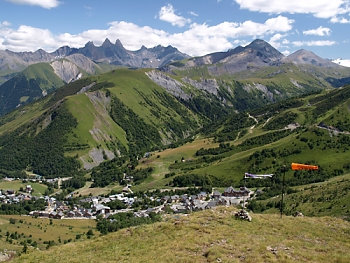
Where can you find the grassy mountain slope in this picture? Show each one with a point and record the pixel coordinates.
(45, 73)
(29, 85)
(254, 88)
(124, 113)
(329, 198)
(121, 113)
(264, 145)
(288, 78)
(213, 236)
(39, 79)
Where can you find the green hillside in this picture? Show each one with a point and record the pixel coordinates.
(31, 84)
(212, 236)
(121, 115)
(45, 76)
(239, 144)
(329, 198)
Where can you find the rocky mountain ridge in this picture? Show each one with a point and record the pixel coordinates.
(106, 53)
(254, 56)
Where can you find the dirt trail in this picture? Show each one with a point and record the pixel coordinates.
(252, 117)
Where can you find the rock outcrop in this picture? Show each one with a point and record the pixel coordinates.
(66, 70)
(173, 86)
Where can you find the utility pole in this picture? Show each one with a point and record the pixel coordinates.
(281, 204)
(243, 195)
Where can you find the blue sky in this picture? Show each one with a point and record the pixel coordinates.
(195, 27)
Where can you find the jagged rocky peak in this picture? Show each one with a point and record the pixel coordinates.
(170, 48)
(63, 51)
(107, 43)
(90, 44)
(157, 48)
(119, 44)
(263, 46)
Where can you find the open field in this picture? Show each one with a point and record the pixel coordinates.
(213, 236)
(40, 230)
(39, 189)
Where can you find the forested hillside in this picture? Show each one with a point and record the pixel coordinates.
(114, 119)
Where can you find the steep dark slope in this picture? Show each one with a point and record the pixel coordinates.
(34, 82)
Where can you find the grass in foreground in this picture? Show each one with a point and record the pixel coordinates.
(211, 236)
(42, 229)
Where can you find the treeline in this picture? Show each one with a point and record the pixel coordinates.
(269, 110)
(208, 109)
(265, 139)
(42, 152)
(68, 90)
(328, 101)
(141, 136)
(232, 125)
(108, 172)
(23, 207)
(73, 183)
(191, 180)
(124, 220)
(281, 121)
(223, 147)
(177, 128)
(114, 170)
(12, 174)
(236, 123)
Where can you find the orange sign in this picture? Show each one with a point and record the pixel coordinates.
(298, 166)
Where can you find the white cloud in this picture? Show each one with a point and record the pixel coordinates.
(286, 52)
(319, 8)
(5, 24)
(341, 20)
(193, 13)
(314, 43)
(48, 4)
(275, 40)
(167, 13)
(343, 62)
(29, 37)
(199, 39)
(321, 31)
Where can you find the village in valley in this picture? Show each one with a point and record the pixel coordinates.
(141, 204)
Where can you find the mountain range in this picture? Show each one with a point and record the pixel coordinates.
(107, 53)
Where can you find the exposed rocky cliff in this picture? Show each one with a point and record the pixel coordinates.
(66, 70)
(83, 62)
(209, 85)
(263, 88)
(173, 86)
